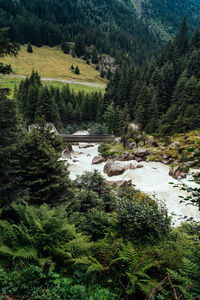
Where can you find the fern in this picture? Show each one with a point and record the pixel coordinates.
(42, 233)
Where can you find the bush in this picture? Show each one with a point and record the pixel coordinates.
(32, 283)
(142, 220)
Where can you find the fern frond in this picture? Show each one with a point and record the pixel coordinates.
(26, 254)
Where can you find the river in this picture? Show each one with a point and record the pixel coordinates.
(153, 179)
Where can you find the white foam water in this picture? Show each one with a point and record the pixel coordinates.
(153, 179)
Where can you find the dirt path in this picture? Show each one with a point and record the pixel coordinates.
(66, 81)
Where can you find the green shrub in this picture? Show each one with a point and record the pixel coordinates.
(145, 220)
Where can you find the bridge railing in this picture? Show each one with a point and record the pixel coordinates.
(106, 138)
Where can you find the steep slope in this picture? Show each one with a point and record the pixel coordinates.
(112, 26)
(164, 16)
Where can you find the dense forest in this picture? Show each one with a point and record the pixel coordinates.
(164, 17)
(163, 96)
(112, 28)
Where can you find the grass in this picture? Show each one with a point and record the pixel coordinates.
(11, 82)
(51, 62)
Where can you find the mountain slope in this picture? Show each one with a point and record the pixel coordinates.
(113, 27)
(164, 16)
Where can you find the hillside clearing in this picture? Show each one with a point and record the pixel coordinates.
(51, 62)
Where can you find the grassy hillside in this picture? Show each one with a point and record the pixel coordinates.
(51, 62)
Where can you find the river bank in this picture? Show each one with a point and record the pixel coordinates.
(153, 179)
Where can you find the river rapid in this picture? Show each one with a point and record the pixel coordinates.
(153, 179)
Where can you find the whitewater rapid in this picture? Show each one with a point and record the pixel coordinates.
(153, 179)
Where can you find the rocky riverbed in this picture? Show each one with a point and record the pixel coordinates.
(151, 178)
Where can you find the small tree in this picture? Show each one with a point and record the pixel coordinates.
(29, 48)
(102, 74)
(77, 71)
(94, 56)
(109, 74)
(72, 67)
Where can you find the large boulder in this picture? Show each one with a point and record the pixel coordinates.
(141, 152)
(125, 157)
(112, 169)
(98, 160)
(129, 167)
(130, 145)
(175, 172)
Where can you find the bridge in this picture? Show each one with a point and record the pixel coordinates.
(72, 138)
(97, 138)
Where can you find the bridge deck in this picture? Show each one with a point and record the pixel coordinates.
(87, 138)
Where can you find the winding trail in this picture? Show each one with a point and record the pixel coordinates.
(65, 81)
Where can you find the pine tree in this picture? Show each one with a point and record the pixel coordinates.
(109, 74)
(94, 56)
(77, 71)
(43, 175)
(9, 148)
(6, 48)
(102, 74)
(111, 119)
(29, 48)
(79, 45)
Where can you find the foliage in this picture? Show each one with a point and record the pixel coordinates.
(41, 235)
(10, 137)
(162, 96)
(193, 197)
(32, 282)
(44, 177)
(59, 106)
(7, 48)
(29, 48)
(77, 71)
(91, 206)
(142, 220)
(112, 27)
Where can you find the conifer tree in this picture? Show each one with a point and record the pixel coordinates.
(79, 45)
(9, 148)
(6, 48)
(111, 119)
(77, 71)
(109, 74)
(94, 56)
(102, 74)
(29, 48)
(45, 178)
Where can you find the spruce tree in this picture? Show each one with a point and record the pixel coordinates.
(29, 48)
(10, 137)
(6, 48)
(94, 56)
(111, 119)
(77, 71)
(45, 178)
(102, 74)
(109, 74)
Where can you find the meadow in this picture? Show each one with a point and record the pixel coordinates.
(51, 62)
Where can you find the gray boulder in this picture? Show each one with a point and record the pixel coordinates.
(98, 160)
(112, 169)
(141, 152)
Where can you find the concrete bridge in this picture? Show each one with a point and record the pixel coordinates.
(97, 138)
